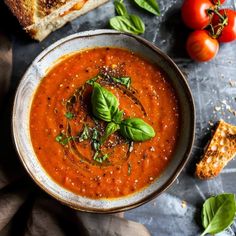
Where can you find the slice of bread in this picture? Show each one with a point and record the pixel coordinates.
(221, 149)
(40, 17)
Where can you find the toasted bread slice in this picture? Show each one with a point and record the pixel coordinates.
(221, 149)
(40, 17)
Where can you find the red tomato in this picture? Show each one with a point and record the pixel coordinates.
(218, 2)
(228, 33)
(194, 13)
(201, 46)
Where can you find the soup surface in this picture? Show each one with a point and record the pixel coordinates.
(66, 135)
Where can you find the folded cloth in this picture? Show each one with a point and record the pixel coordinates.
(24, 208)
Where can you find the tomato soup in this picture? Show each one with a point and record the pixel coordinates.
(66, 136)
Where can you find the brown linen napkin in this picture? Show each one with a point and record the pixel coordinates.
(24, 208)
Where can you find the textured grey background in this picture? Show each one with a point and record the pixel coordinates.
(212, 85)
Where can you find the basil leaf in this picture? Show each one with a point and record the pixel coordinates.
(218, 213)
(123, 80)
(130, 24)
(104, 103)
(120, 8)
(117, 118)
(69, 115)
(149, 5)
(138, 23)
(85, 134)
(110, 129)
(136, 129)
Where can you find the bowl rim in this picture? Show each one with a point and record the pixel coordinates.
(185, 158)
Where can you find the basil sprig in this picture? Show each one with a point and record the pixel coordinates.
(149, 5)
(125, 22)
(218, 213)
(136, 129)
(105, 107)
(130, 24)
(104, 103)
(110, 129)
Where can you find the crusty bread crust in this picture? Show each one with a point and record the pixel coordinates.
(221, 149)
(46, 7)
(23, 9)
(40, 17)
(57, 19)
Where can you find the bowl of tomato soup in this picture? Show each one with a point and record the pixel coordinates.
(103, 121)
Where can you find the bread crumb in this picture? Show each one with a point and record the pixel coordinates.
(183, 204)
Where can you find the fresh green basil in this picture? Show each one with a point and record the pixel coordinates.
(110, 129)
(136, 129)
(85, 134)
(149, 5)
(128, 23)
(100, 158)
(120, 8)
(126, 81)
(118, 116)
(69, 115)
(218, 213)
(63, 139)
(91, 81)
(96, 140)
(138, 23)
(104, 103)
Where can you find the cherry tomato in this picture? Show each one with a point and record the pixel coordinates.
(194, 13)
(201, 46)
(228, 34)
(218, 2)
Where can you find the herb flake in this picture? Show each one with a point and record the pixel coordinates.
(85, 134)
(63, 139)
(126, 81)
(69, 115)
(129, 169)
(100, 159)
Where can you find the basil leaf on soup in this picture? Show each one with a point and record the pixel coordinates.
(118, 116)
(136, 129)
(110, 129)
(149, 5)
(218, 213)
(126, 81)
(104, 103)
(120, 8)
(130, 24)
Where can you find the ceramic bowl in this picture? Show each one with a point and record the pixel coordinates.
(30, 82)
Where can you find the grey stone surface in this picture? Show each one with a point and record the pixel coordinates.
(212, 84)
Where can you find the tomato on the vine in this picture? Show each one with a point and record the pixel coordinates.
(195, 13)
(225, 26)
(201, 46)
(218, 2)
